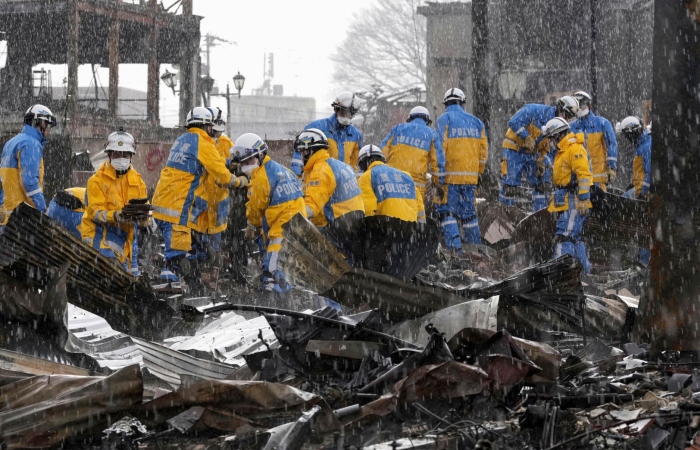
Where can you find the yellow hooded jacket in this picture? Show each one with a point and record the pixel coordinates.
(571, 174)
(105, 195)
(181, 195)
(274, 197)
(330, 189)
(219, 203)
(390, 192)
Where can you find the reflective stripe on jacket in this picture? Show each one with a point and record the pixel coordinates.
(330, 189)
(344, 143)
(571, 174)
(528, 121)
(411, 148)
(22, 170)
(600, 141)
(181, 197)
(390, 192)
(274, 197)
(641, 166)
(463, 146)
(107, 194)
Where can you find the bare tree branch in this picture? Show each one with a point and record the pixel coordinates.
(385, 49)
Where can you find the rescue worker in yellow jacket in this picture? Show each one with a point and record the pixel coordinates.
(387, 191)
(22, 164)
(411, 147)
(181, 198)
(572, 179)
(600, 140)
(67, 208)
(464, 147)
(330, 186)
(274, 197)
(111, 216)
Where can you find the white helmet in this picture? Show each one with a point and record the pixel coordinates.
(630, 126)
(367, 152)
(567, 105)
(420, 112)
(583, 98)
(120, 141)
(454, 94)
(218, 119)
(554, 127)
(312, 139)
(247, 146)
(39, 112)
(347, 101)
(199, 116)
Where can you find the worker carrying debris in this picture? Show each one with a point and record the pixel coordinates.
(116, 204)
(330, 186)
(387, 191)
(464, 147)
(67, 207)
(181, 196)
(572, 179)
(633, 129)
(525, 154)
(22, 164)
(274, 197)
(344, 139)
(412, 147)
(599, 140)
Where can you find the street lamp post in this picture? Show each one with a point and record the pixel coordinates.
(238, 81)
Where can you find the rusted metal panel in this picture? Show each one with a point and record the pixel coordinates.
(31, 365)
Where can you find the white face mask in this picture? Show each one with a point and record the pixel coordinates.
(345, 121)
(582, 113)
(248, 170)
(120, 163)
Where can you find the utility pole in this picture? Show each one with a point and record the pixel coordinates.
(594, 37)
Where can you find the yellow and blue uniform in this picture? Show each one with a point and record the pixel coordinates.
(330, 189)
(572, 178)
(411, 147)
(181, 197)
(390, 192)
(22, 170)
(600, 141)
(274, 197)
(463, 145)
(518, 163)
(641, 181)
(344, 143)
(69, 218)
(106, 194)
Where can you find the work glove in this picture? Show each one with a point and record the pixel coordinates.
(440, 191)
(235, 168)
(121, 218)
(251, 233)
(239, 182)
(529, 145)
(544, 187)
(582, 208)
(611, 175)
(3, 213)
(137, 212)
(540, 168)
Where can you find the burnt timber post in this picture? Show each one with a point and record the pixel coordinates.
(72, 61)
(152, 96)
(669, 313)
(113, 40)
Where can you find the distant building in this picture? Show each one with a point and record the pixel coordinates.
(273, 117)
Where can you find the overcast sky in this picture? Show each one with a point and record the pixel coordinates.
(302, 34)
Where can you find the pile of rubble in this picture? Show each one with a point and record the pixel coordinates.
(480, 351)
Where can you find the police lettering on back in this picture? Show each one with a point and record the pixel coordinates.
(470, 132)
(413, 142)
(287, 185)
(178, 153)
(396, 186)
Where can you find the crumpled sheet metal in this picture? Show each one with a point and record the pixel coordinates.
(448, 380)
(42, 411)
(232, 404)
(450, 320)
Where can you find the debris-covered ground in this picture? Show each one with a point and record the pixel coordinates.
(483, 350)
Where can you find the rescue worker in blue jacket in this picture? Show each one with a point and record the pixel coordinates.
(67, 208)
(525, 155)
(463, 146)
(274, 197)
(387, 191)
(22, 164)
(570, 201)
(413, 147)
(633, 129)
(600, 141)
(344, 139)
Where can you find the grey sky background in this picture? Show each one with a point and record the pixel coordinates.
(302, 34)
